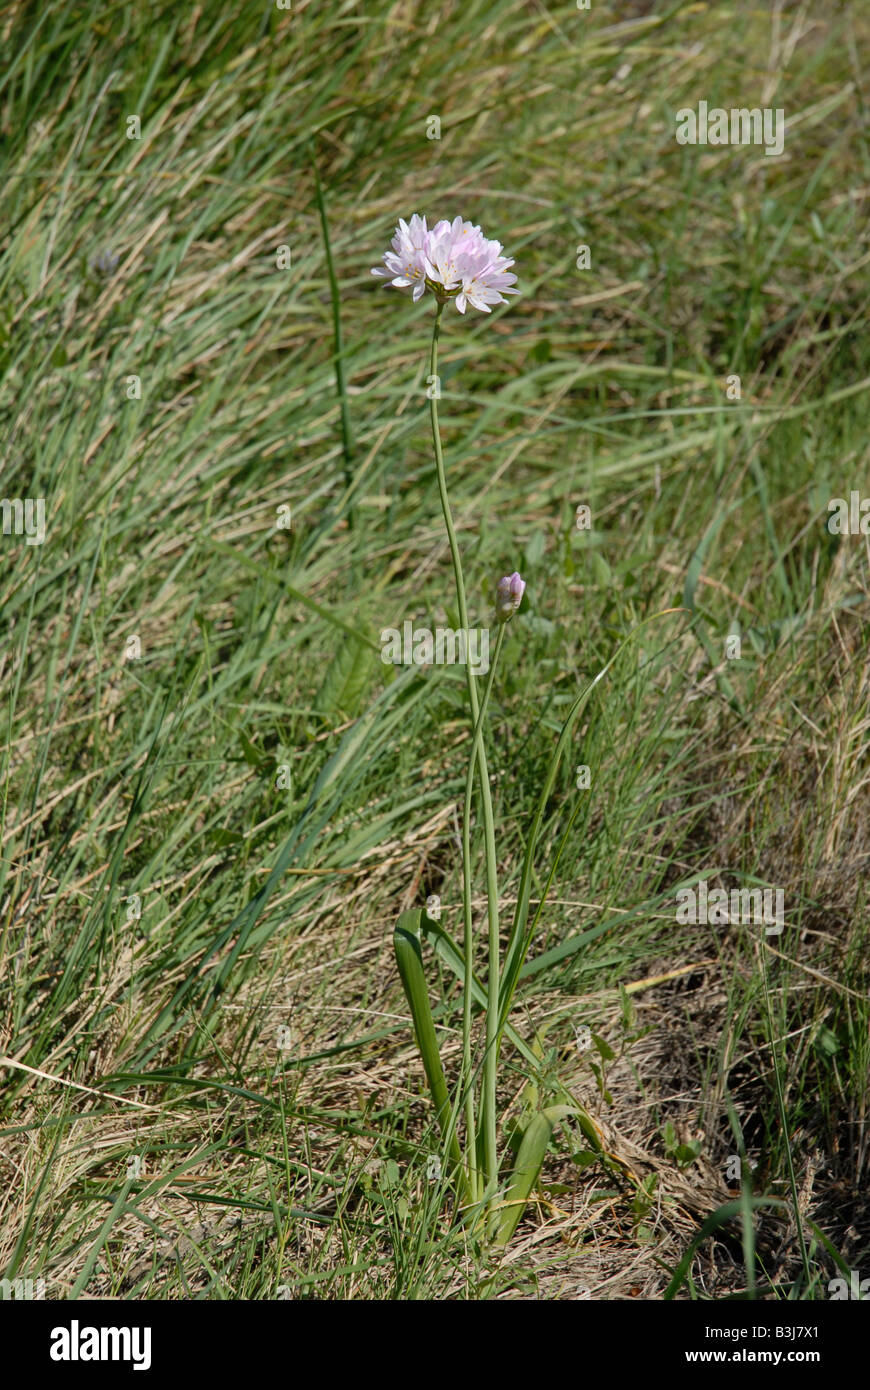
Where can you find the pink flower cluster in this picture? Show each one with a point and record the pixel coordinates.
(453, 259)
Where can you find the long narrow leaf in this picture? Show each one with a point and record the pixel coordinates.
(409, 958)
(534, 1145)
(532, 1151)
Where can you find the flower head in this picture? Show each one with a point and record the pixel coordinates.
(508, 596)
(452, 259)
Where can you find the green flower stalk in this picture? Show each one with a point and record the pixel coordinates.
(489, 1135)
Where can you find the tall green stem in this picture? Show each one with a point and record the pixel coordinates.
(490, 1147)
(477, 742)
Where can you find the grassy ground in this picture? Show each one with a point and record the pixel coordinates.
(249, 776)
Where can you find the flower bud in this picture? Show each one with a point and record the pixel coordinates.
(508, 595)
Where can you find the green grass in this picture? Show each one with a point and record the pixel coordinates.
(266, 906)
